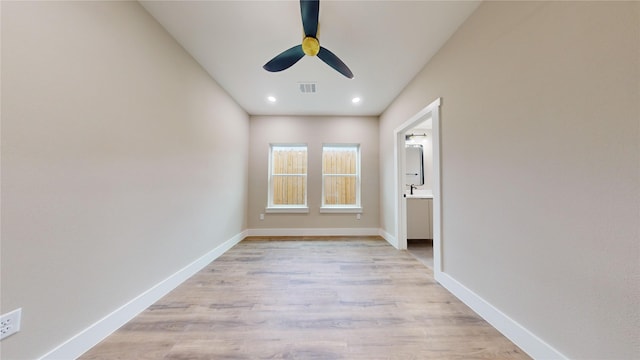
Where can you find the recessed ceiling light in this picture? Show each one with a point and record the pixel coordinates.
(355, 100)
(271, 99)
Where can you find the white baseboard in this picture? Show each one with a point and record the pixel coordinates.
(88, 338)
(519, 335)
(315, 232)
(390, 238)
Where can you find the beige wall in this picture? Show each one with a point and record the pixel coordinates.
(122, 162)
(313, 131)
(540, 167)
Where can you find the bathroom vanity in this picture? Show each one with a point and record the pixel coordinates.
(420, 215)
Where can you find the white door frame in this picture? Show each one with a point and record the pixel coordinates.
(431, 111)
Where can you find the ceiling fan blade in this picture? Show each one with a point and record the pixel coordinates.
(285, 59)
(309, 10)
(332, 60)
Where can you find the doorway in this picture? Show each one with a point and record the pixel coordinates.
(419, 194)
(430, 113)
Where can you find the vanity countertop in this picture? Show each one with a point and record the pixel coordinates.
(419, 194)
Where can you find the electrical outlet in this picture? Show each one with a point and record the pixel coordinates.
(358, 216)
(10, 323)
(261, 217)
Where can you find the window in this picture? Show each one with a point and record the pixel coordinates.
(341, 178)
(288, 178)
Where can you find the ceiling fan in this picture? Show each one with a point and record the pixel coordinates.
(310, 44)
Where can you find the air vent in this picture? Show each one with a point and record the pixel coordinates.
(307, 87)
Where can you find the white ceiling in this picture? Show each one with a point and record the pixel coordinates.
(384, 43)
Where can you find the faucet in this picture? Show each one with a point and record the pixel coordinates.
(412, 187)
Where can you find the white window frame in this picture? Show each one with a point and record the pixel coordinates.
(331, 208)
(273, 208)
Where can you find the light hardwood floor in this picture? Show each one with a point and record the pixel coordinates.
(330, 298)
(422, 250)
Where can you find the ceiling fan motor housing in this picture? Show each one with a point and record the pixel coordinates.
(310, 46)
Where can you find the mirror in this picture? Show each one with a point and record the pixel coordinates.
(415, 165)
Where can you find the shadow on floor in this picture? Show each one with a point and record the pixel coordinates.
(421, 249)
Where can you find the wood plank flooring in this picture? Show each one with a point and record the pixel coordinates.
(330, 298)
(422, 250)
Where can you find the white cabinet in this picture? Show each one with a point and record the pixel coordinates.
(419, 218)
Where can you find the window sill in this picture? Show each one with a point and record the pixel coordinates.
(342, 210)
(287, 210)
